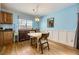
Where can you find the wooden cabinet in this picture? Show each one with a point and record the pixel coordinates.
(1, 18)
(23, 35)
(1, 38)
(8, 37)
(6, 18)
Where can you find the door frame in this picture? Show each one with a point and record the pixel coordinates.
(77, 45)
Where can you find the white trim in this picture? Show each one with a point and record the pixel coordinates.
(62, 36)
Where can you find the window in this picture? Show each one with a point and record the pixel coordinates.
(25, 24)
(22, 24)
(29, 24)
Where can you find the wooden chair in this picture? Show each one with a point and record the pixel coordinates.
(42, 41)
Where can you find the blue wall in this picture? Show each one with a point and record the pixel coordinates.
(35, 25)
(15, 22)
(65, 19)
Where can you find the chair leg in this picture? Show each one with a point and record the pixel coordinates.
(41, 49)
(48, 45)
(36, 44)
(31, 42)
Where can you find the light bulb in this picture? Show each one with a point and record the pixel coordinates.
(37, 19)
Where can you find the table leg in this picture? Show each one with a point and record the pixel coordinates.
(37, 44)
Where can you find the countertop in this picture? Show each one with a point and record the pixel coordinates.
(6, 29)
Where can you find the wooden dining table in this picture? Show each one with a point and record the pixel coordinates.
(37, 35)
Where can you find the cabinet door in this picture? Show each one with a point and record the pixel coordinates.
(8, 18)
(8, 37)
(1, 38)
(1, 18)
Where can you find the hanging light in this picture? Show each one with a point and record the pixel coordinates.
(35, 12)
(37, 19)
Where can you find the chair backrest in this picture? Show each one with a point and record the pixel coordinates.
(32, 31)
(44, 36)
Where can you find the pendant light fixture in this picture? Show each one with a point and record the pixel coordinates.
(36, 12)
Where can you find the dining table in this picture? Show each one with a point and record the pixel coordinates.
(37, 35)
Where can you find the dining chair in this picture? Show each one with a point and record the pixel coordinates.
(43, 42)
(32, 31)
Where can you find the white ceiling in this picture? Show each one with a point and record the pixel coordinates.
(44, 8)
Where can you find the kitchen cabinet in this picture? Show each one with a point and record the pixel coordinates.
(1, 38)
(1, 18)
(5, 18)
(8, 37)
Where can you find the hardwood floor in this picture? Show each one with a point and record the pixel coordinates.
(24, 48)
